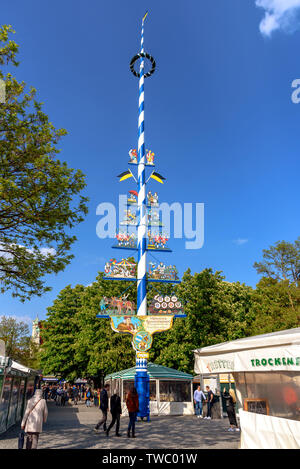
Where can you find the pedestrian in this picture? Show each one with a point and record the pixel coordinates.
(35, 415)
(75, 393)
(132, 403)
(96, 398)
(103, 408)
(46, 391)
(88, 397)
(210, 398)
(64, 397)
(199, 396)
(116, 411)
(58, 396)
(53, 393)
(230, 401)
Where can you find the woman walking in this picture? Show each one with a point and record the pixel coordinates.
(132, 403)
(230, 401)
(35, 415)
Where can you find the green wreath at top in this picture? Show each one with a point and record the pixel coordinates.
(139, 56)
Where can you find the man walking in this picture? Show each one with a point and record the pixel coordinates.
(103, 407)
(210, 397)
(116, 411)
(199, 396)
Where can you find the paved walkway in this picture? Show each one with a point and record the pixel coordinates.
(71, 427)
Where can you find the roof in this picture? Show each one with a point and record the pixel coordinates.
(277, 351)
(273, 339)
(155, 372)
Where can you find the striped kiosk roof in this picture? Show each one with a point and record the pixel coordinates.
(155, 372)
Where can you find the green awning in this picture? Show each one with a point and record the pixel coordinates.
(154, 371)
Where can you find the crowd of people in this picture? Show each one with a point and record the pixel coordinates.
(210, 399)
(62, 393)
(36, 410)
(132, 403)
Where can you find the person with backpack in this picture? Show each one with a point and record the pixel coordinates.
(116, 411)
(103, 408)
(88, 397)
(199, 397)
(210, 402)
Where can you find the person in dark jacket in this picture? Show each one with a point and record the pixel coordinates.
(230, 401)
(103, 407)
(116, 411)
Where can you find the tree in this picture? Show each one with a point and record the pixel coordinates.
(76, 343)
(271, 307)
(37, 191)
(217, 311)
(17, 339)
(282, 264)
(98, 348)
(59, 334)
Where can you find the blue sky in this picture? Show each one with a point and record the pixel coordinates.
(218, 116)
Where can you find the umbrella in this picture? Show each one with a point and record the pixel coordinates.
(134, 193)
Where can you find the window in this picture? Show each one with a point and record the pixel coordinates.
(175, 391)
(127, 384)
(153, 391)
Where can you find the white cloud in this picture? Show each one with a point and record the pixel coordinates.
(279, 14)
(240, 241)
(28, 320)
(48, 251)
(44, 251)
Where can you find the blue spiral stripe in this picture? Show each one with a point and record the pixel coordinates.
(142, 281)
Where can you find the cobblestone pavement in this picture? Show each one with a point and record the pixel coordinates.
(71, 427)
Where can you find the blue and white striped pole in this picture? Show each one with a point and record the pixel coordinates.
(142, 228)
(141, 377)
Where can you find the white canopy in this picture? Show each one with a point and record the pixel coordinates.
(19, 367)
(266, 352)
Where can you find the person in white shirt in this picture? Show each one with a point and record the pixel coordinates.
(199, 396)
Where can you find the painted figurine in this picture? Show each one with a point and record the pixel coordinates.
(133, 156)
(150, 157)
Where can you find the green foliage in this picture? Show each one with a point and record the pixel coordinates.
(76, 343)
(271, 306)
(281, 262)
(37, 190)
(276, 302)
(216, 310)
(18, 342)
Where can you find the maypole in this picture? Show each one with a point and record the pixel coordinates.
(141, 377)
(142, 266)
(142, 214)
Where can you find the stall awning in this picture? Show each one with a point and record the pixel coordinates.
(23, 369)
(155, 372)
(266, 352)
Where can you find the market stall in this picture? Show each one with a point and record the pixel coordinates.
(266, 371)
(17, 385)
(170, 390)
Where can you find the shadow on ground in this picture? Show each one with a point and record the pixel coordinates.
(72, 427)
